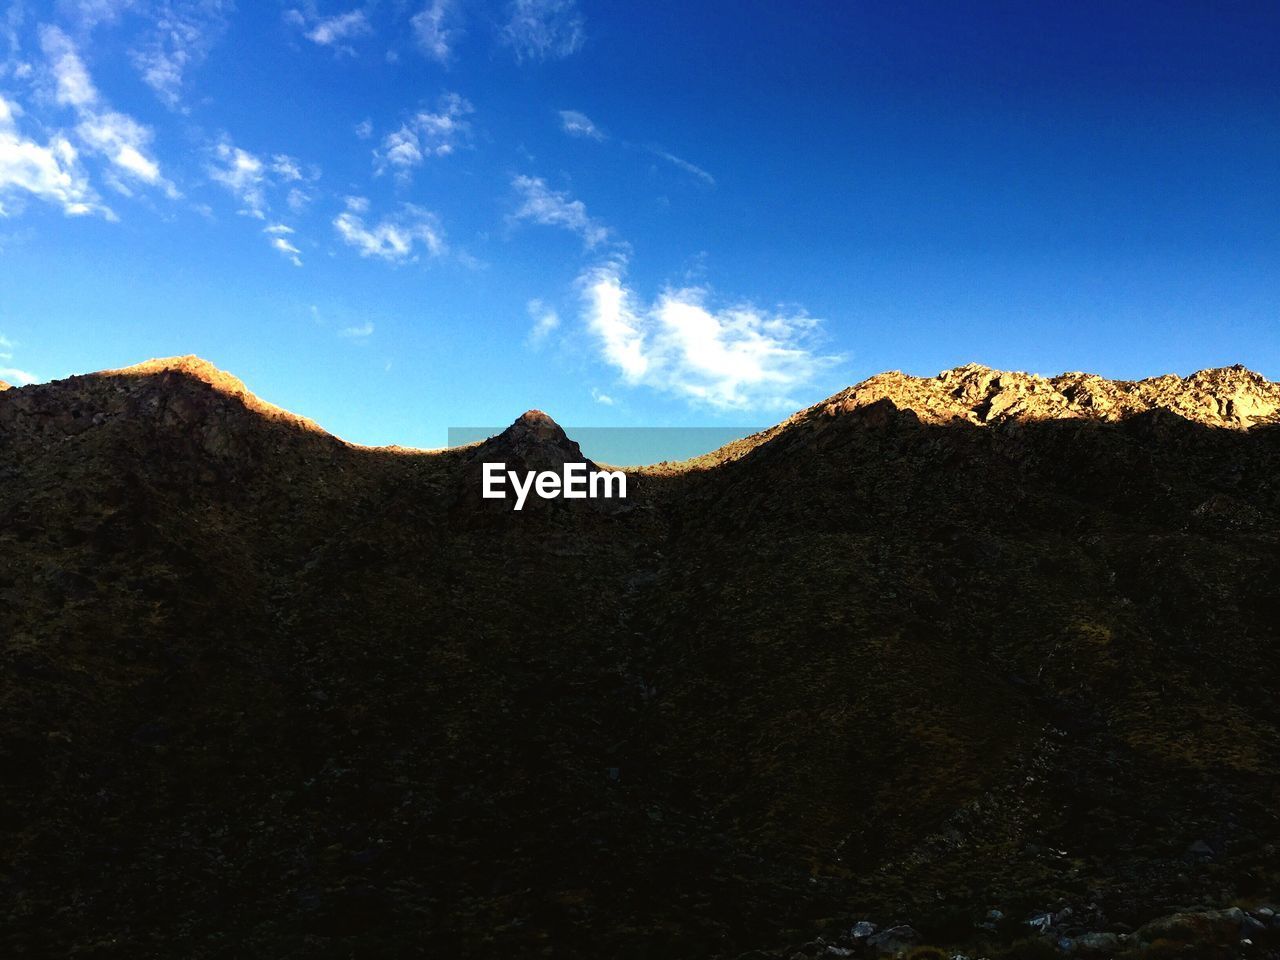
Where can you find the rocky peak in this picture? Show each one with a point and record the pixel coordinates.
(535, 442)
(4, 386)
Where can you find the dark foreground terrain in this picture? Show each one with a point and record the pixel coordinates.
(990, 656)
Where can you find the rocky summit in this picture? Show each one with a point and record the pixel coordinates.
(981, 664)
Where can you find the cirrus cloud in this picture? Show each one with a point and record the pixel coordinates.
(543, 29)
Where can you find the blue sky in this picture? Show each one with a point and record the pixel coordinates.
(403, 215)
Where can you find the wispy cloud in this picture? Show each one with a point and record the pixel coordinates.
(242, 174)
(125, 142)
(181, 34)
(13, 374)
(72, 84)
(545, 320)
(574, 123)
(396, 238)
(335, 31)
(554, 208)
(685, 165)
(279, 235)
(543, 29)
(425, 134)
(249, 177)
(20, 377)
(579, 125)
(86, 15)
(601, 398)
(48, 171)
(122, 140)
(361, 332)
(286, 168)
(734, 357)
(434, 29)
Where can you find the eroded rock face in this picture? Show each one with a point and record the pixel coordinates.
(1231, 397)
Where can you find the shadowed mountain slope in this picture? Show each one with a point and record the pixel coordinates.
(931, 647)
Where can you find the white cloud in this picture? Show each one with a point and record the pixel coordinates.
(431, 28)
(13, 374)
(735, 357)
(279, 235)
(73, 86)
(601, 398)
(179, 39)
(425, 135)
(20, 377)
(243, 174)
(87, 14)
(123, 140)
(545, 320)
(554, 208)
(543, 29)
(364, 129)
(288, 249)
(251, 178)
(579, 125)
(361, 332)
(117, 136)
(687, 167)
(333, 31)
(50, 171)
(394, 239)
(286, 168)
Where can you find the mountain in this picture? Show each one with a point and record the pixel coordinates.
(956, 653)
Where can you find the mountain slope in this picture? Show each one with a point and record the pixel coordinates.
(930, 647)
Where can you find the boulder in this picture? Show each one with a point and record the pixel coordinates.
(894, 941)
(1220, 927)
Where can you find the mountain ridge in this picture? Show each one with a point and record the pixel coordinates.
(1227, 397)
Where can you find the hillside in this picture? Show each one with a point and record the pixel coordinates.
(932, 648)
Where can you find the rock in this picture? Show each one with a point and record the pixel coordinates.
(1096, 944)
(1041, 922)
(1251, 927)
(995, 916)
(862, 929)
(894, 941)
(1200, 850)
(1218, 927)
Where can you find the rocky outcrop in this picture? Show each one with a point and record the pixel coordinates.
(1232, 397)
